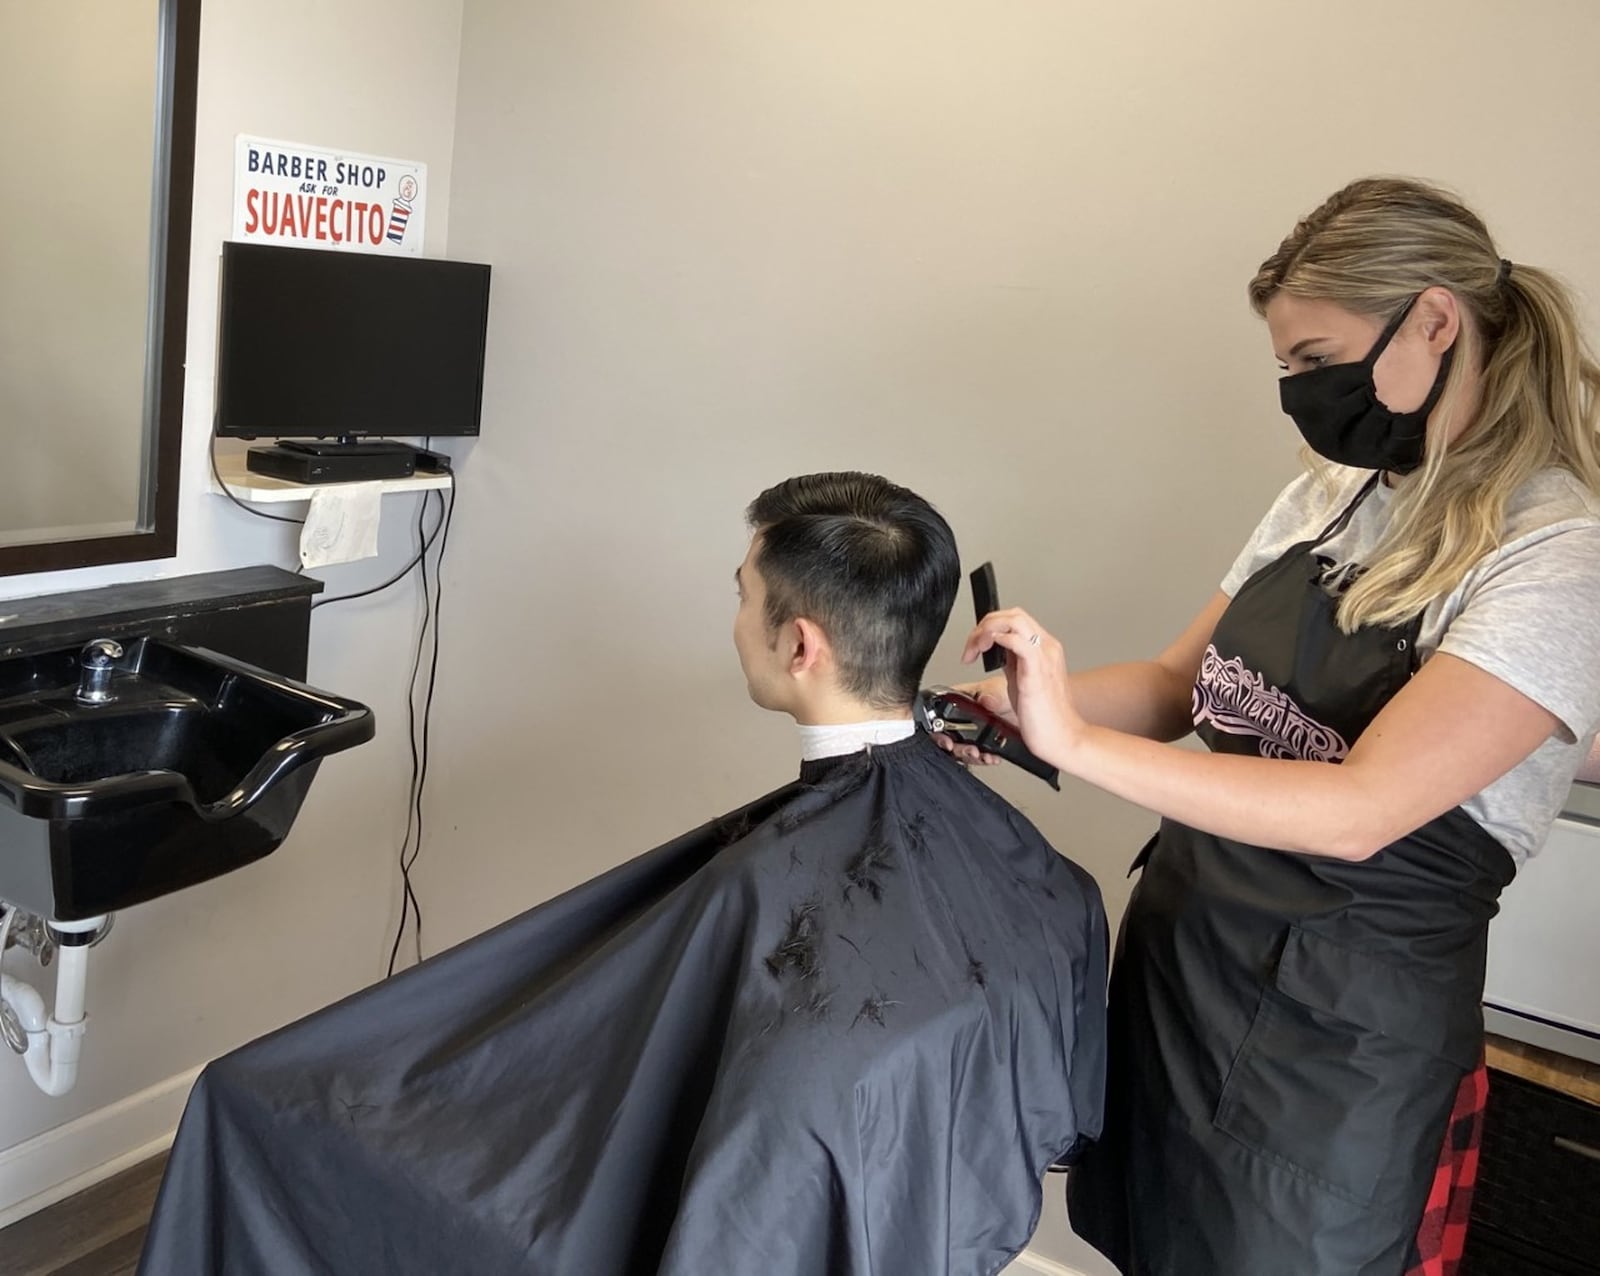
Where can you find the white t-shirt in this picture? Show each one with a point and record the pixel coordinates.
(1528, 613)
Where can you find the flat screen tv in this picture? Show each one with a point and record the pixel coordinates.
(344, 345)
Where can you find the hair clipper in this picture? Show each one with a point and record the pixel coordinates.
(943, 711)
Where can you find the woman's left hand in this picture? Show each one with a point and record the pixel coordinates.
(1036, 677)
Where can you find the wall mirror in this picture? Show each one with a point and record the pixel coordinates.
(97, 117)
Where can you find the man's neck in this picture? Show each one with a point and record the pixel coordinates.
(836, 710)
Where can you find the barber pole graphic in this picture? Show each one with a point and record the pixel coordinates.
(400, 211)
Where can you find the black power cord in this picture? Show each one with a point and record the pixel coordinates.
(409, 904)
(422, 551)
(411, 845)
(248, 509)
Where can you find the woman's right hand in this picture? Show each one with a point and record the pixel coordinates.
(992, 694)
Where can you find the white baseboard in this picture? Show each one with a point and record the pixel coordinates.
(78, 1155)
(1028, 1261)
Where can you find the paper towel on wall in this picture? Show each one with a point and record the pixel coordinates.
(341, 525)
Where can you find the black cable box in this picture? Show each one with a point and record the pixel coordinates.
(333, 462)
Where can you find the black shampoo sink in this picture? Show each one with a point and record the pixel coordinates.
(196, 764)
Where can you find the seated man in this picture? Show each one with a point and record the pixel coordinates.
(843, 1030)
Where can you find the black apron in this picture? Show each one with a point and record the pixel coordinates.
(1288, 1031)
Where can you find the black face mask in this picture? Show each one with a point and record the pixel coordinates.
(1338, 411)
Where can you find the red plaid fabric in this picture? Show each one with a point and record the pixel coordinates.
(1443, 1234)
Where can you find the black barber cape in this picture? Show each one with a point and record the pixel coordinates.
(842, 1031)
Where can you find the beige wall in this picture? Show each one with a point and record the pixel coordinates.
(997, 252)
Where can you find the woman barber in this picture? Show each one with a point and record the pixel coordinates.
(1396, 681)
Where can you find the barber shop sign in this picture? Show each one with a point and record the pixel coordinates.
(308, 197)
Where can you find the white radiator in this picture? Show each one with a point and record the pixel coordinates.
(1544, 947)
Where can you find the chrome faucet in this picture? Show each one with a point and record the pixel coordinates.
(96, 663)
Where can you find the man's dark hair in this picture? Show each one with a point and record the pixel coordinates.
(873, 564)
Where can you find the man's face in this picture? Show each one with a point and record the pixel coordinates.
(765, 666)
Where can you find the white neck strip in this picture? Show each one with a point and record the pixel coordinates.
(837, 739)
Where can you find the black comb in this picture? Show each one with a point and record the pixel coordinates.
(985, 599)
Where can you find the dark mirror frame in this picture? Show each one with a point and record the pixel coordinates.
(172, 186)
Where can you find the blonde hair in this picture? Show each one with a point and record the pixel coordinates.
(1371, 248)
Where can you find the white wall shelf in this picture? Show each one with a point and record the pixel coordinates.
(261, 488)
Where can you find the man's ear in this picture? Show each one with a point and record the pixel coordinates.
(811, 650)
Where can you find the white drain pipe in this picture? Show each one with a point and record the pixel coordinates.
(54, 1043)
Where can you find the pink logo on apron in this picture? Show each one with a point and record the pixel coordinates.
(1238, 702)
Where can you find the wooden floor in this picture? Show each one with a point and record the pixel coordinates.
(98, 1232)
